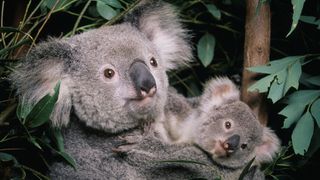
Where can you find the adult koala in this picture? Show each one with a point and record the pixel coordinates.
(114, 80)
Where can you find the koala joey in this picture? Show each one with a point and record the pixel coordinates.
(227, 130)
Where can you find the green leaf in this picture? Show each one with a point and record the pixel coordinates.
(4, 157)
(262, 85)
(113, 3)
(276, 90)
(68, 159)
(310, 19)
(293, 113)
(303, 97)
(294, 73)
(57, 5)
(41, 112)
(205, 49)
(57, 138)
(302, 134)
(34, 142)
(276, 65)
(23, 109)
(315, 80)
(315, 111)
(214, 11)
(315, 143)
(105, 10)
(297, 6)
(246, 169)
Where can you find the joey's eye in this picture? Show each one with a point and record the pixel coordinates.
(243, 146)
(108, 73)
(153, 62)
(227, 124)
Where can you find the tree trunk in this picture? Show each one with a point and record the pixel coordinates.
(256, 52)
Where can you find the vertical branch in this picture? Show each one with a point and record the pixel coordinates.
(256, 52)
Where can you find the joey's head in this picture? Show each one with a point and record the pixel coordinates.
(229, 131)
(114, 77)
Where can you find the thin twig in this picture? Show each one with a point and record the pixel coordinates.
(1, 21)
(44, 23)
(35, 172)
(120, 15)
(80, 16)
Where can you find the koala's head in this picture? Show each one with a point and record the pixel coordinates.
(113, 77)
(229, 130)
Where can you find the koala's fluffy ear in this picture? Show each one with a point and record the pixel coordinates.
(219, 91)
(268, 148)
(159, 22)
(39, 72)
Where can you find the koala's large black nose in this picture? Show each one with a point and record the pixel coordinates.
(142, 78)
(231, 143)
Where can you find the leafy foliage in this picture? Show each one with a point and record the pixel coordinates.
(28, 130)
(282, 75)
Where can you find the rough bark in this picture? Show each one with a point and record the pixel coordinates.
(256, 52)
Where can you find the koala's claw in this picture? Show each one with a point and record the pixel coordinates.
(129, 139)
(122, 149)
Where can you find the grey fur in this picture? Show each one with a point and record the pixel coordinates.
(106, 108)
(206, 127)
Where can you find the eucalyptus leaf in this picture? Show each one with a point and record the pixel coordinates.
(276, 65)
(246, 169)
(303, 96)
(214, 11)
(310, 19)
(57, 138)
(113, 3)
(5, 157)
(23, 109)
(293, 76)
(68, 159)
(35, 143)
(105, 10)
(302, 134)
(315, 80)
(262, 85)
(205, 49)
(293, 113)
(57, 5)
(315, 143)
(276, 91)
(297, 6)
(41, 112)
(315, 111)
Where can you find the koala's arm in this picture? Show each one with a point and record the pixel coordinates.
(151, 153)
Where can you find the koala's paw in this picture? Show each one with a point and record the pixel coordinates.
(127, 143)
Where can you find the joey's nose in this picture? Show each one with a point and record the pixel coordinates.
(143, 80)
(231, 143)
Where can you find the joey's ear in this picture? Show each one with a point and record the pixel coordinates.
(159, 22)
(268, 148)
(219, 91)
(39, 72)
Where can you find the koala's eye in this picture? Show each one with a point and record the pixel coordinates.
(108, 73)
(243, 146)
(227, 124)
(153, 62)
